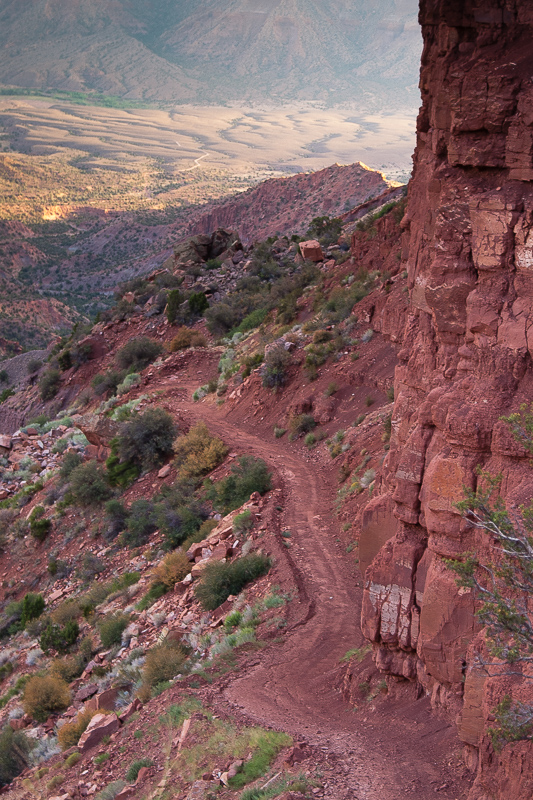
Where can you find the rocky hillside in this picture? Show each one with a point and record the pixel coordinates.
(212, 52)
(381, 387)
(73, 260)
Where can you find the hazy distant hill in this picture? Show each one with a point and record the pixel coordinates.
(216, 50)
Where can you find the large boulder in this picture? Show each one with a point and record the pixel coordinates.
(101, 725)
(311, 250)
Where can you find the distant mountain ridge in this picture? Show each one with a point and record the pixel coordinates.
(217, 50)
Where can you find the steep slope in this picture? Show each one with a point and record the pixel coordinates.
(287, 205)
(242, 50)
(466, 360)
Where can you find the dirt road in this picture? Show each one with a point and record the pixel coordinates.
(396, 752)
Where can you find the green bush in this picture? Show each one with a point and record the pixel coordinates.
(300, 425)
(275, 367)
(49, 384)
(64, 360)
(14, 751)
(111, 629)
(147, 439)
(220, 579)
(70, 461)
(43, 695)
(59, 637)
(135, 768)
(39, 525)
(138, 353)
(248, 475)
(88, 484)
(221, 318)
(107, 384)
(117, 515)
(252, 320)
(141, 523)
(198, 303)
(174, 301)
(32, 607)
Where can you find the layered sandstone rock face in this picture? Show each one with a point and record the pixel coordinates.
(465, 361)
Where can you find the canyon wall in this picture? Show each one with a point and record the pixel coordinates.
(465, 361)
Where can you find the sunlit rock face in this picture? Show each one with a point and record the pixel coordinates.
(465, 360)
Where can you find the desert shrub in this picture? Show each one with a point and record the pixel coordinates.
(7, 517)
(300, 425)
(90, 567)
(14, 751)
(221, 318)
(163, 662)
(155, 591)
(111, 629)
(134, 768)
(146, 440)
(173, 568)
(367, 478)
(71, 460)
(68, 668)
(64, 360)
(49, 384)
(326, 229)
(59, 637)
(108, 383)
(243, 522)
(69, 733)
(220, 579)
(247, 475)
(4, 376)
(88, 484)
(321, 336)
(117, 515)
(197, 303)
(138, 353)
(32, 607)
(110, 791)
(45, 695)
(198, 453)
(33, 366)
(141, 523)
(275, 367)
(252, 320)
(332, 389)
(39, 525)
(187, 337)
(251, 362)
(310, 440)
(174, 301)
(131, 380)
(179, 517)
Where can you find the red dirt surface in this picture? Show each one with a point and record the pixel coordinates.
(393, 748)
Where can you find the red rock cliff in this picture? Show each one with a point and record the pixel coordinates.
(466, 360)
